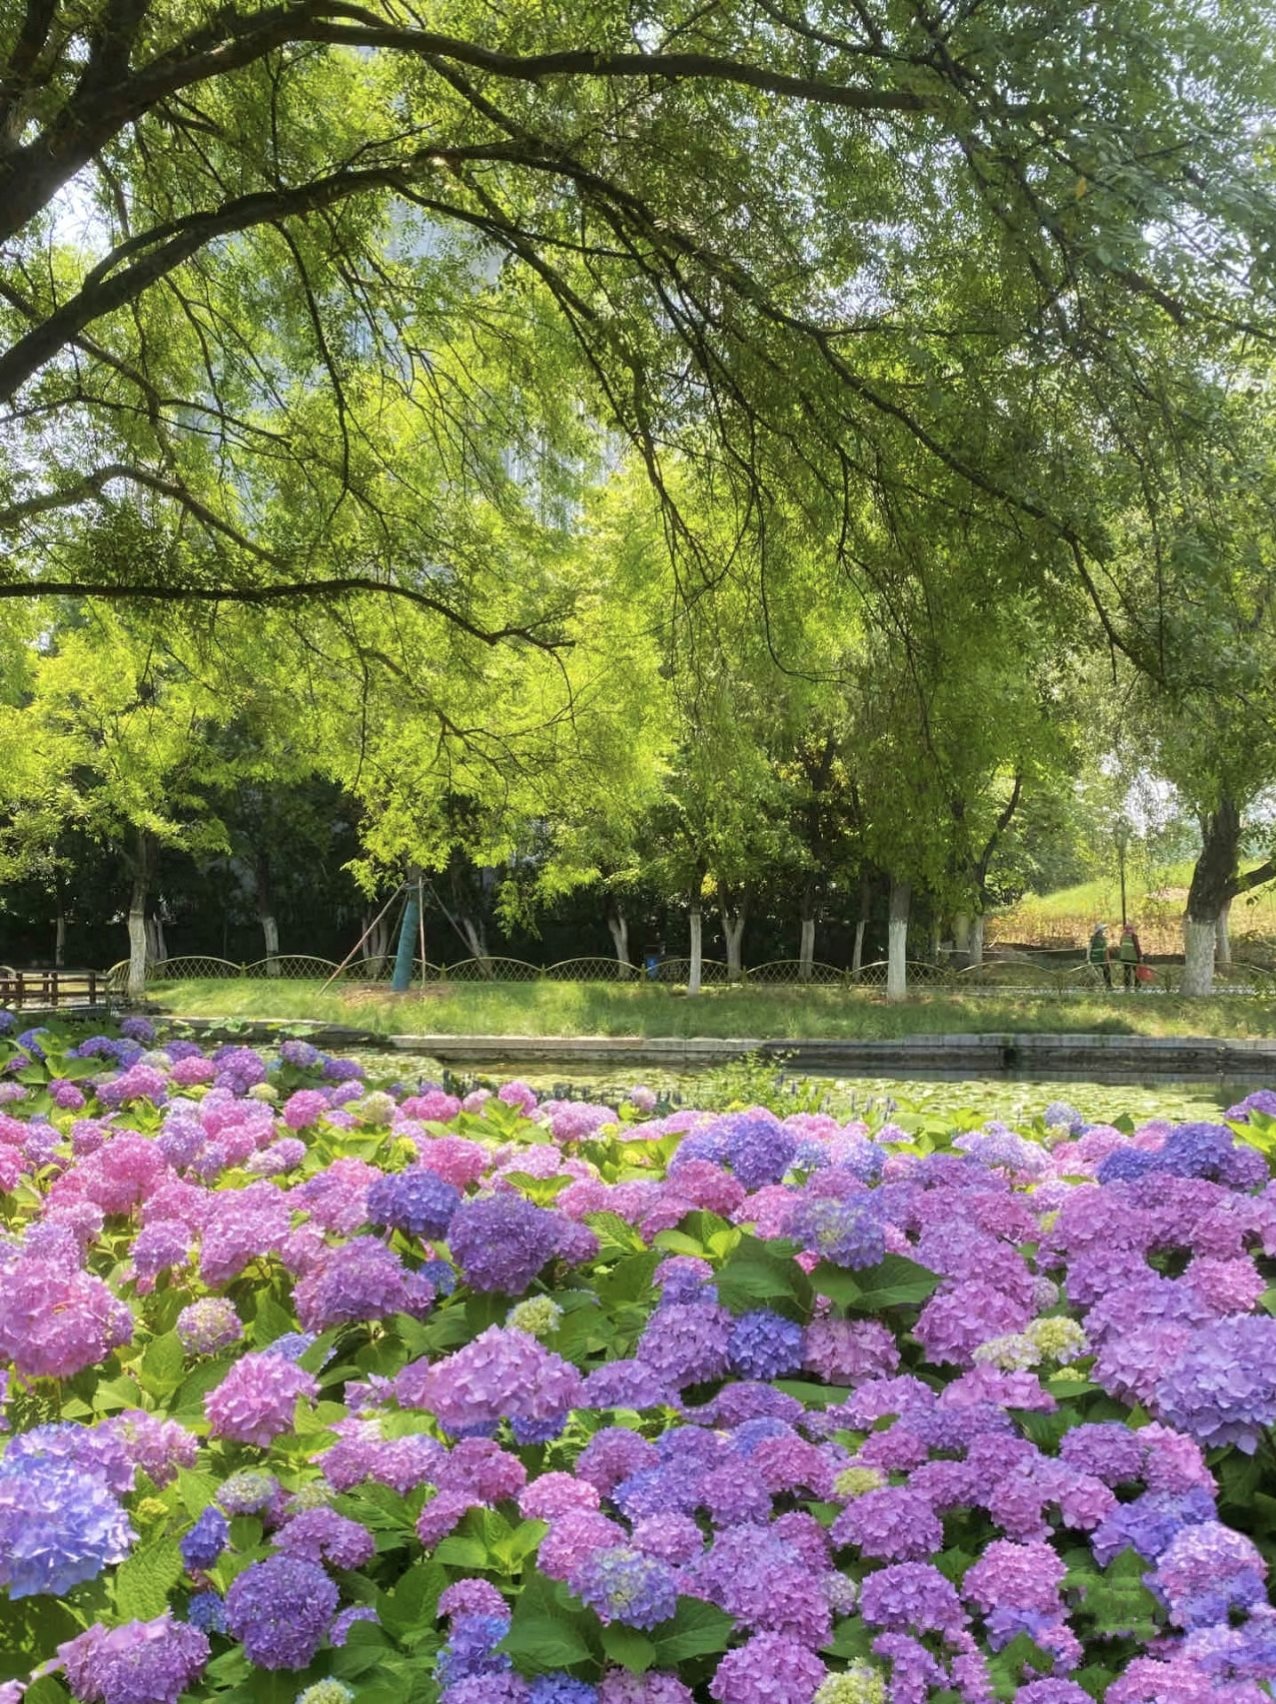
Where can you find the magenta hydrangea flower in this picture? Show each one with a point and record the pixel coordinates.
(55, 1323)
(255, 1402)
(362, 1280)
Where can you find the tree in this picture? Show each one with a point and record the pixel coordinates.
(237, 244)
(119, 733)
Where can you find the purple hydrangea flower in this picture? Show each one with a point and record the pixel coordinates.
(141, 1662)
(416, 1201)
(500, 1242)
(280, 1610)
(768, 1669)
(254, 1403)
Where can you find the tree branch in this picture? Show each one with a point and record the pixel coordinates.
(293, 591)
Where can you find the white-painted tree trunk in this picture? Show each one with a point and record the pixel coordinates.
(733, 932)
(961, 932)
(857, 951)
(59, 943)
(270, 935)
(897, 941)
(697, 959)
(935, 936)
(975, 947)
(618, 927)
(1223, 938)
(806, 949)
(1199, 937)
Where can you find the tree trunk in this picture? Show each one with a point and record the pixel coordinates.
(156, 951)
(475, 937)
(376, 940)
(935, 934)
(733, 931)
(137, 942)
(1211, 891)
(961, 933)
(59, 939)
(1223, 938)
(618, 925)
(265, 901)
(857, 951)
(806, 950)
(897, 940)
(694, 974)
(976, 945)
(857, 954)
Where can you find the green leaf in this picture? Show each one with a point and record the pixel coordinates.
(628, 1647)
(698, 1629)
(615, 1235)
(894, 1282)
(271, 1320)
(144, 1581)
(196, 1490)
(543, 1634)
(365, 1649)
(411, 1606)
(851, 1638)
(162, 1366)
(524, 1539)
(755, 1275)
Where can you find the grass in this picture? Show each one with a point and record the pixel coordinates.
(1145, 889)
(639, 1009)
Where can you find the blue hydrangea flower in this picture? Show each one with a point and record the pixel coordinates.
(559, 1688)
(847, 1233)
(59, 1526)
(759, 1150)
(471, 1648)
(621, 1584)
(765, 1345)
(207, 1612)
(205, 1541)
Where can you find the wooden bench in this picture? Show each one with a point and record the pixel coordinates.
(53, 990)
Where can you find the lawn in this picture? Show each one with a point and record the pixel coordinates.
(639, 1009)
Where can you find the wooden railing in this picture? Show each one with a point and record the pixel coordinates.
(52, 989)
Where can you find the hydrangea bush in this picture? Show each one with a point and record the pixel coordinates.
(320, 1393)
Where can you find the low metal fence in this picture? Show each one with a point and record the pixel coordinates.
(1002, 973)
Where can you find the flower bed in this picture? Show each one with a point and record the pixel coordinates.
(325, 1393)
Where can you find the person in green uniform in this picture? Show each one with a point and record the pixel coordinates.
(1130, 955)
(1101, 953)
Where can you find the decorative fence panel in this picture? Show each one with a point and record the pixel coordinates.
(1005, 972)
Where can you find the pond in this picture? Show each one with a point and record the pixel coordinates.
(965, 1100)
